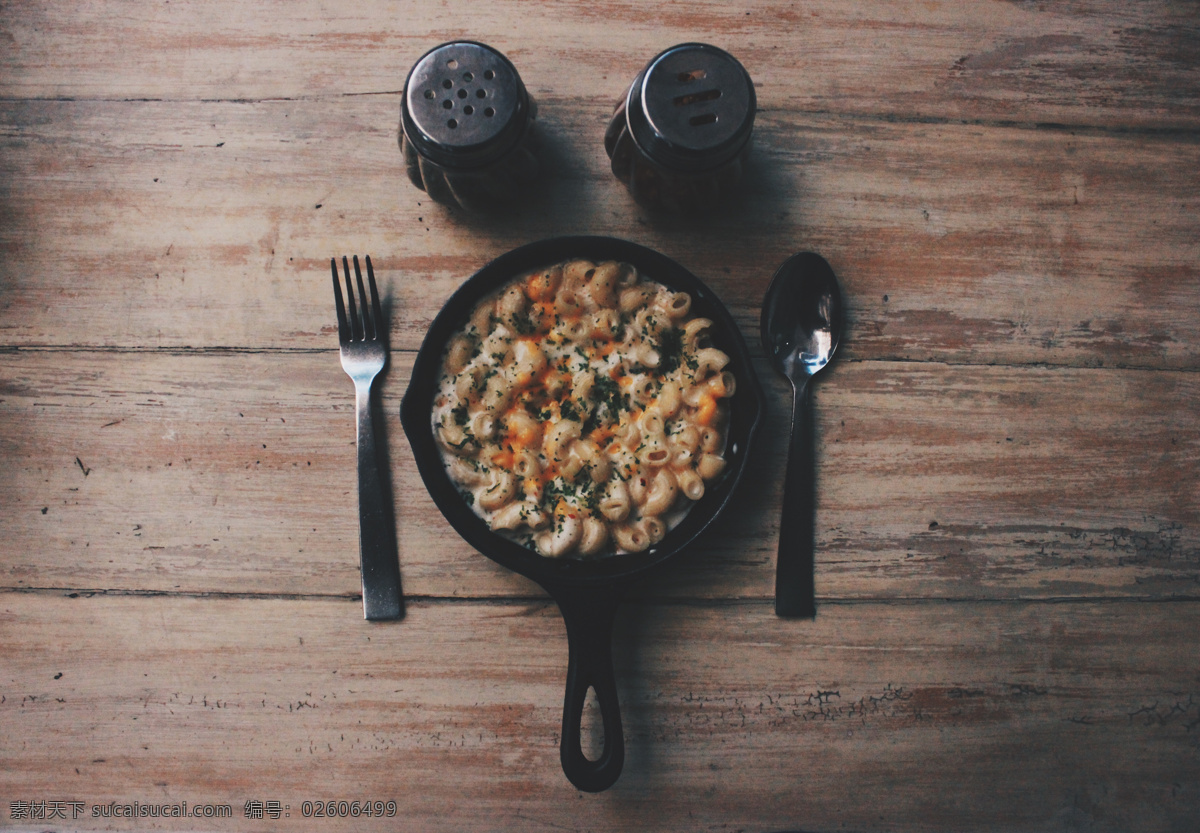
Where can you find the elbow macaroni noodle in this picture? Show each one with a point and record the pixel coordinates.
(581, 409)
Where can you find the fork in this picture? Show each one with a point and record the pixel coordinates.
(363, 356)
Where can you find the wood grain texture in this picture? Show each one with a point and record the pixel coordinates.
(1042, 716)
(953, 243)
(234, 473)
(1097, 64)
(1008, 567)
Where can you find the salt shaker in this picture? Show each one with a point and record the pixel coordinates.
(466, 123)
(680, 137)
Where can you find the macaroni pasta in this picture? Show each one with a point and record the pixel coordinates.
(581, 409)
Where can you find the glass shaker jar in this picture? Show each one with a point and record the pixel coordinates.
(680, 137)
(466, 123)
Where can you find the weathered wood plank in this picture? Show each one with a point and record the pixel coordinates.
(234, 472)
(169, 225)
(1100, 64)
(1009, 519)
(981, 716)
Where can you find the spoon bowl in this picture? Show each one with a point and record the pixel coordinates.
(801, 327)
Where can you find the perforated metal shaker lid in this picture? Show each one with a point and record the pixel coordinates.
(692, 107)
(464, 105)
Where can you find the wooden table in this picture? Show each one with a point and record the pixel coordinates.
(1008, 573)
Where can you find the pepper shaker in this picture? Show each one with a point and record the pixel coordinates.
(680, 137)
(466, 124)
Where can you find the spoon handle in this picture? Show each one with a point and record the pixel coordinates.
(794, 589)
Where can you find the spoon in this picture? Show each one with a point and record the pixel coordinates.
(801, 325)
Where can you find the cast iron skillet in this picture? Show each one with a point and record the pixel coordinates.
(587, 591)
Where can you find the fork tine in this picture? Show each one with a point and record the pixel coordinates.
(351, 308)
(363, 305)
(343, 324)
(376, 310)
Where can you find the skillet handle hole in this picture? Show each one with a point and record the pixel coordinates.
(591, 727)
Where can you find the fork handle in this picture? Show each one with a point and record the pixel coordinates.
(377, 532)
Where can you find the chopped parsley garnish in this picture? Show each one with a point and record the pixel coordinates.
(522, 324)
(608, 394)
(589, 492)
(552, 491)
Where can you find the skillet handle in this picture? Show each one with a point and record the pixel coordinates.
(589, 615)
